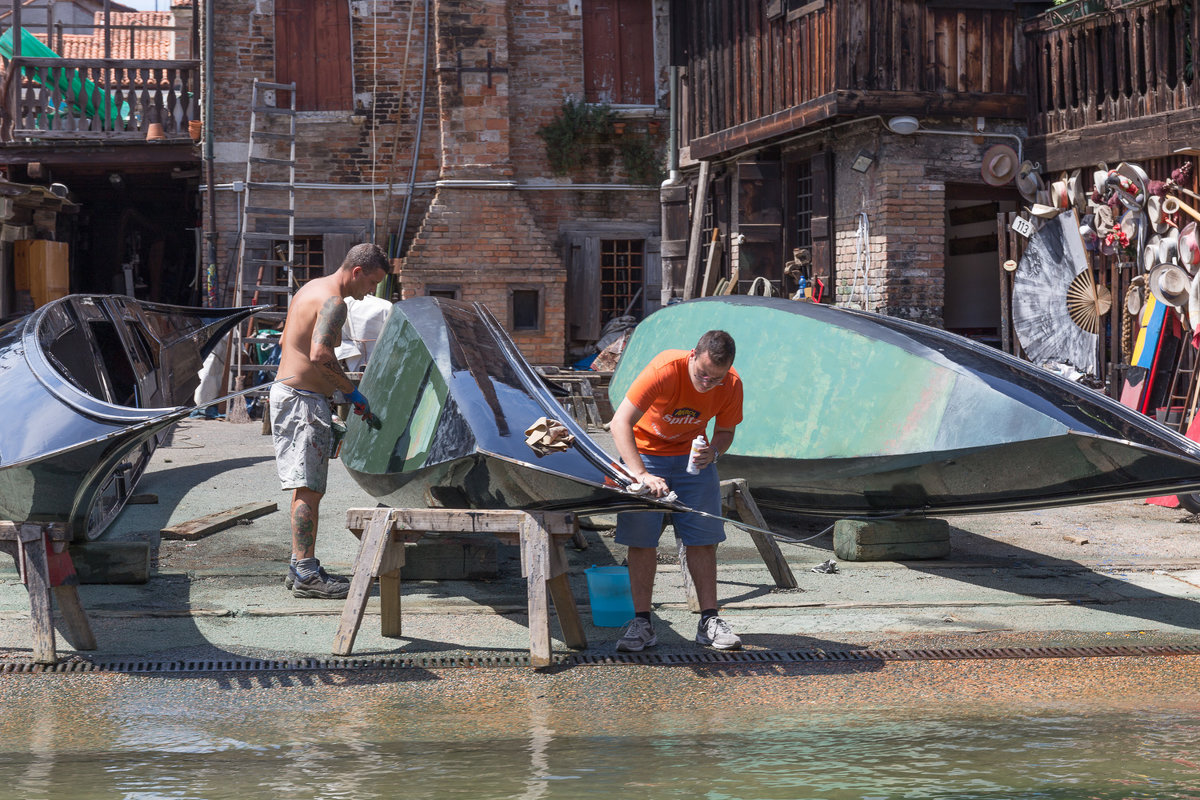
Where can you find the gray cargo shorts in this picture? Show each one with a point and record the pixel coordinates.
(302, 427)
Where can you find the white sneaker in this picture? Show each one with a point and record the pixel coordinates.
(715, 632)
(638, 635)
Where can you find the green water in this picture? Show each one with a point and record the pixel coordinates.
(306, 738)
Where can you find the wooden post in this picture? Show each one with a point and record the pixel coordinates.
(366, 567)
(768, 548)
(689, 586)
(535, 564)
(40, 553)
(691, 277)
(32, 550)
(389, 588)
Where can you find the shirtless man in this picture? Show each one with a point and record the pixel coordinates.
(301, 420)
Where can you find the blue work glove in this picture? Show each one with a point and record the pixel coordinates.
(361, 406)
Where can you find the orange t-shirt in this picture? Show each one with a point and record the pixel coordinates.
(675, 412)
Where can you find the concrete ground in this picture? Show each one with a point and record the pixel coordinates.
(1010, 580)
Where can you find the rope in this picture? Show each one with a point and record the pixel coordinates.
(761, 286)
(387, 215)
(862, 258)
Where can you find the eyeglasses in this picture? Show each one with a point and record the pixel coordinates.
(708, 379)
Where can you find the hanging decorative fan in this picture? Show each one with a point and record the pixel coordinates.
(1087, 303)
(1056, 309)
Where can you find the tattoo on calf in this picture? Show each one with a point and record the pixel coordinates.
(304, 528)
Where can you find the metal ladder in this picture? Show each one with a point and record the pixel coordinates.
(271, 175)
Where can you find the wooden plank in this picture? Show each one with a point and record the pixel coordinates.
(366, 566)
(535, 560)
(693, 258)
(565, 607)
(710, 273)
(451, 520)
(768, 548)
(212, 523)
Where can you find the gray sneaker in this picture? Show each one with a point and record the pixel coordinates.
(322, 585)
(638, 635)
(715, 632)
(289, 580)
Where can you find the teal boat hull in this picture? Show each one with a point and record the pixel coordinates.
(849, 413)
(454, 397)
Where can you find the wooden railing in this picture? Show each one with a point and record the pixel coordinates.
(758, 68)
(1111, 61)
(60, 98)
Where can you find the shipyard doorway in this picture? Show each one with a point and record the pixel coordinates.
(136, 229)
(971, 304)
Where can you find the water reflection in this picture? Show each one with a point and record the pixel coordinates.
(185, 740)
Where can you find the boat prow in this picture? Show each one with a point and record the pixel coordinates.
(98, 379)
(454, 398)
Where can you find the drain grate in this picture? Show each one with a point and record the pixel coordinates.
(77, 664)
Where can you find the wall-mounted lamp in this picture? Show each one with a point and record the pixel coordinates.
(905, 125)
(863, 161)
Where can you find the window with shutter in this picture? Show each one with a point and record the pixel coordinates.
(312, 48)
(618, 51)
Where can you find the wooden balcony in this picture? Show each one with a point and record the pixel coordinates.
(760, 69)
(1113, 76)
(108, 99)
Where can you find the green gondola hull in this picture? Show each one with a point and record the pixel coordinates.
(851, 413)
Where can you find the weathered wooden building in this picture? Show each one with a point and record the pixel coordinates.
(855, 143)
(846, 139)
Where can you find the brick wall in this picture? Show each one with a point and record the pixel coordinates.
(484, 243)
(475, 131)
(904, 196)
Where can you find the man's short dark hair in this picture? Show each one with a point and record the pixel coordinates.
(366, 255)
(719, 346)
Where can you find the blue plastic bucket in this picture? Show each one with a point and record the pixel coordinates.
(610, 596)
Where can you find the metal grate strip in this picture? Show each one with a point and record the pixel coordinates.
(78, 664)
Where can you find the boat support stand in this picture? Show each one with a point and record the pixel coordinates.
(542, 536)
(40, 552)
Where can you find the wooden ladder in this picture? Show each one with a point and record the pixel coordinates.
(268, 204)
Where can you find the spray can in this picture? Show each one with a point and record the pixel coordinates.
(697, 443)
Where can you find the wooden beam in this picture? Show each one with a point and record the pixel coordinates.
(806, 117)
(211, 523)
(459, 520)
(693, 257)
(1138, 139)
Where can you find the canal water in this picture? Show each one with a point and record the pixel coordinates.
(670, 734)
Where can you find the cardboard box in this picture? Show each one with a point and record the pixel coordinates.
(42, 268)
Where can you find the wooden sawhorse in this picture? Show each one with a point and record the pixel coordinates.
(40, 552)
(736, 498)
(541, 535)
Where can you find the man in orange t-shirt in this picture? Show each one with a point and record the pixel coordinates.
(667, 406)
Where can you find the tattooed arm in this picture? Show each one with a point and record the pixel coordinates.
(327, 334)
